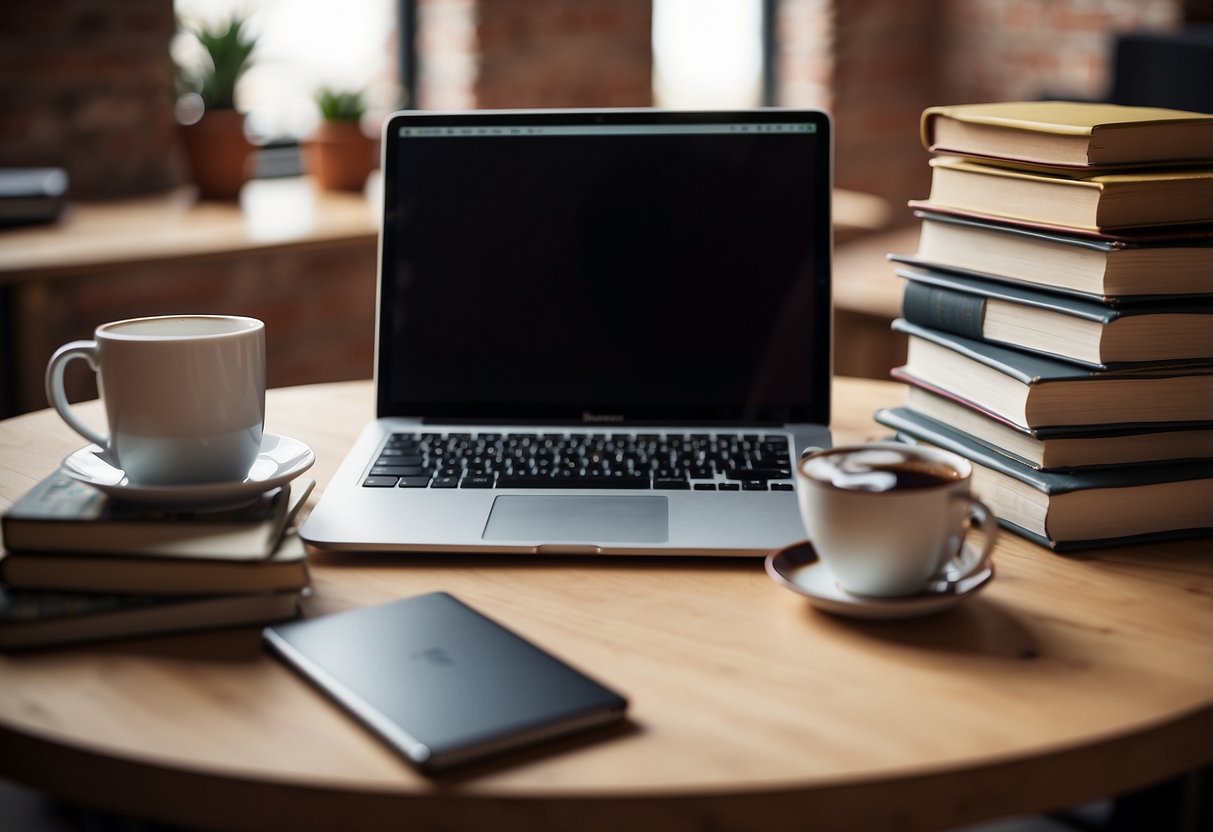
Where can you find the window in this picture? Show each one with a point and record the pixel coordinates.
(708, 54)
(304, 45)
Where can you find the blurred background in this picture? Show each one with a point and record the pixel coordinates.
(92, 89)
(89, 85)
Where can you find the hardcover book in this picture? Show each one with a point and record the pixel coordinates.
(61, 514)
(35, 618)
(1069, 134)
(1035, 391)
(1108, 270)
(284, 569)
(1078, 446)
(1095, 203)
(1075, 510)
(1093, 334)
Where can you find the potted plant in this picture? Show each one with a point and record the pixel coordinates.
(340, 155)
(218, 151)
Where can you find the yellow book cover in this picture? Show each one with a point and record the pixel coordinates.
(1069, 133)
(1094, 203)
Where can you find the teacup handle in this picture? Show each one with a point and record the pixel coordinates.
(961, 567)
(54, 386)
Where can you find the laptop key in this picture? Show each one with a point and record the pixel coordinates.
(379, 482)
(414, 482)
(477, 481)
(758, 473)
(671, 485)
(397, 471)
(445, 482)
(754, 485)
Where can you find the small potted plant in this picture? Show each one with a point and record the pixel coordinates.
(218, 151)
(340, 155)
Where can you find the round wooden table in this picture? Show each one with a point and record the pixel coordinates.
(1067, 679)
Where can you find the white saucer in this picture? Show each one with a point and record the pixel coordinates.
(281, 460)
(797, 568)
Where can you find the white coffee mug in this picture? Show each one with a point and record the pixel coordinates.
(184, 395)
(890, 519)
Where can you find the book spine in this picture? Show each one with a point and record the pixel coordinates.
(959, 313)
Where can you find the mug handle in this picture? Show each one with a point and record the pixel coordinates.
(961, 567)
(54, 386)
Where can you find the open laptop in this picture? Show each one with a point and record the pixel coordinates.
(600, 331)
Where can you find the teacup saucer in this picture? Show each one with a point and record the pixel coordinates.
(798, 568)
(281, 460)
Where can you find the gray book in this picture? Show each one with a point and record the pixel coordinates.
(1093, 334)
(1075, 509)
(1035, 391)
(36, 618)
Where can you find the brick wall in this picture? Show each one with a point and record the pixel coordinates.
(87, 85)
(875, 64)
(1030, 49)
(1013, 49)
(534, 53)
(805, 35)
(318, 305)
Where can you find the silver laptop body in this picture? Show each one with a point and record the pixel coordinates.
(599, 332)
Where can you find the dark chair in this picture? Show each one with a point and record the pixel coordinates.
(1164, 69)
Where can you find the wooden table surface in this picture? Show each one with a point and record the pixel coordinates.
(1067, 679)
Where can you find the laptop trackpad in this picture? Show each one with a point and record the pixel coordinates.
(589, 519)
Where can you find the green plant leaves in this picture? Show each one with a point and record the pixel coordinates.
(229, 49)
(340, 105)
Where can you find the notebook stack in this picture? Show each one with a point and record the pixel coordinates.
(79, 566)
(1059, 314)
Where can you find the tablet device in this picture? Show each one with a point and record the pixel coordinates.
(440, 682)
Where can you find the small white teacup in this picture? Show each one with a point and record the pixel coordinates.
(184, 396)
(890, 519)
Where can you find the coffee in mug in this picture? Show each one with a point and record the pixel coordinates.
(890, 519)
(184, 396)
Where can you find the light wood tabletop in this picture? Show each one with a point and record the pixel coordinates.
(1065, 680)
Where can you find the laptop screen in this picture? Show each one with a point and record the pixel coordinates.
(582, 266)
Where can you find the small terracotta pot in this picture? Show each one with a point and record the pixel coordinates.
(340, 156)
(219, 154)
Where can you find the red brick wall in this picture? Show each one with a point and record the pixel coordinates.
(885, 74)
(875, 64)
(534, 53)
(318, 306)
(805, 34)
(1025, 49)
(872, 64)
(87, 85)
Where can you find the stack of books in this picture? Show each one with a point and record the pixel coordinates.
(1059, 314)
(80, 566)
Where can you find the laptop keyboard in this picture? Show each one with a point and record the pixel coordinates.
(658, 461)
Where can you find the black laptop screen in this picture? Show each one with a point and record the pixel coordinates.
(580, 266)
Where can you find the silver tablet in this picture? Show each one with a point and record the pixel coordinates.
(440, 682)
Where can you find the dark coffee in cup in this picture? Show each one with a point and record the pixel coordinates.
(890, 520)
(879, 469)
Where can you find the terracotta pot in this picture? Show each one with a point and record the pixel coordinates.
(219, 154)
(341, 156)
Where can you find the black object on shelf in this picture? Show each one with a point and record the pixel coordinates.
(31, 195)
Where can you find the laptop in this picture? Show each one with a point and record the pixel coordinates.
(598, 332)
